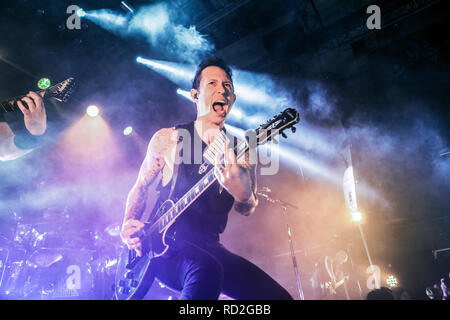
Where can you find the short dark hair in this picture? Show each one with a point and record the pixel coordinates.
(208, 62)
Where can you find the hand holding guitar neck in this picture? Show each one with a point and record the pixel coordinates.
(35, 117)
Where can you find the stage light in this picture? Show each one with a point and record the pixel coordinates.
(44, 83)
(290, 156)
(92, 111)
(178, 73)
(80, 144)
(391, 281)
(185, 94)
(356, 216)
(127, 6)
(127, 131)
(81, 13)
(236, 113)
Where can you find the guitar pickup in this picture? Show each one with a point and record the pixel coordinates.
(132, 263)
(133, 259)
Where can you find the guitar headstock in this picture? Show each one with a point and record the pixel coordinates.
(62, 91)
(277, 125)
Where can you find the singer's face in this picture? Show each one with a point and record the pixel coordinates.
(215, 96)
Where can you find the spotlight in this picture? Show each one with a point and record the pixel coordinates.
(444, 152)
(175, 72)
(81, 13)
(44, 83)
(356, 216)
(126, 6)
(391, 281)
(127, 131)
(236, 113)
(92, 111)
(184, 93)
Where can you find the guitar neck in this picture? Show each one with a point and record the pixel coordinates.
(189, 197)
(9, 105)
(60, 91)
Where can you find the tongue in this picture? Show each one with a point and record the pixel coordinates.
(220, 105)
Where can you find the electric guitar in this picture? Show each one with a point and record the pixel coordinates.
(61, 92)
(133, 275)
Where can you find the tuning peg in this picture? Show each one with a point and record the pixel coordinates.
(293, 129)
(283, 135)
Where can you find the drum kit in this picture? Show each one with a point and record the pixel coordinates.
(50, 260)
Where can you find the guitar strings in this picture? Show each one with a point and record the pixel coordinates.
(160, 221)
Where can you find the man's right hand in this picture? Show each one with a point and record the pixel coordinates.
(128, 235)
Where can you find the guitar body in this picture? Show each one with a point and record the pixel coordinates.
(133, 281)
(134, 276)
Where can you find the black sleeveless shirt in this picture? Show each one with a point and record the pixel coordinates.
(207, 217)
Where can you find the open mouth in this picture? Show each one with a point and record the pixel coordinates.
(219, 107)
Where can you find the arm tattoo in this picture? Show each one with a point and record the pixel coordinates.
(136, 202)
(150, 169)
(137, 198)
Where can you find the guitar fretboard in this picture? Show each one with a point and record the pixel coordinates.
(216, 148)
(60, 91)
(9, 104)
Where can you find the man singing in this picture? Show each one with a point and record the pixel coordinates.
(197, 264)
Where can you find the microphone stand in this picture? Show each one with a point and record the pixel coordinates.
(284, 206)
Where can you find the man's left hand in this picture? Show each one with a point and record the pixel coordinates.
(233, 177)
(35, 117)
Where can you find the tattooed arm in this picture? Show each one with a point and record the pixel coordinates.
(152, 165)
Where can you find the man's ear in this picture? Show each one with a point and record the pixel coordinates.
(194, 95)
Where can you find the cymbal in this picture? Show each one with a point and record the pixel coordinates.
(4, 240)
(45, 258)
(55, 213)
(113, 229)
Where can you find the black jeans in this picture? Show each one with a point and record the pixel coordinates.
(202, 273)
